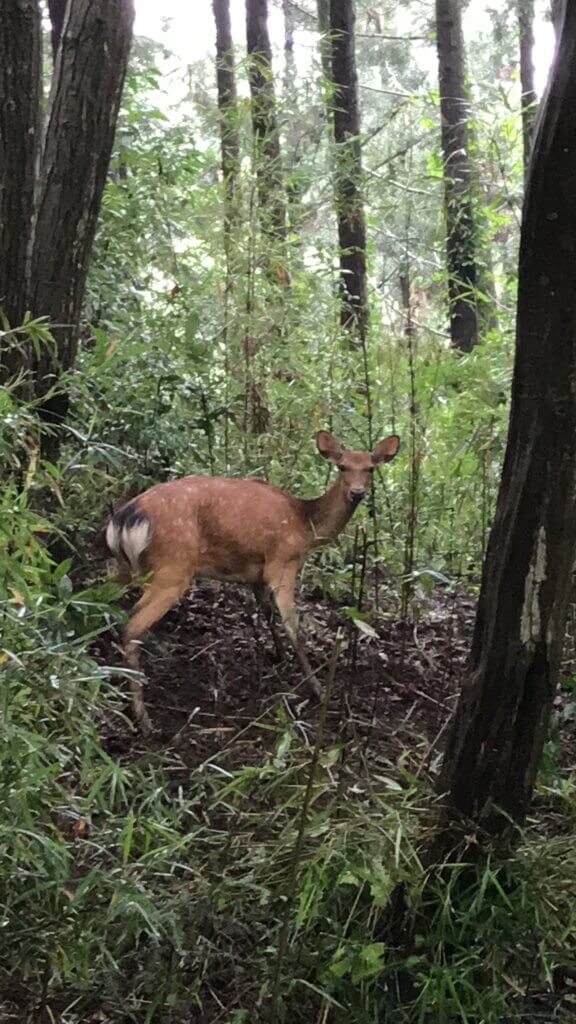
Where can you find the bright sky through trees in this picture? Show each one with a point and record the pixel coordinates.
(186, 27)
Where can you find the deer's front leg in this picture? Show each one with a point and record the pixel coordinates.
(282, 580)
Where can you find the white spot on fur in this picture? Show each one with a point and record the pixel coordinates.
(531, 620)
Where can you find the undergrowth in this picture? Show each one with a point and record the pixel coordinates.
(152, 892)
(145, 891)
(138, 889)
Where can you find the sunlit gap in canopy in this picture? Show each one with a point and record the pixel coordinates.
(187, 30)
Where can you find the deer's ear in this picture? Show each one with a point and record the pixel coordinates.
(328, 446)
(386, 450)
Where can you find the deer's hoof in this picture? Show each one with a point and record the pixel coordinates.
(144, 723)
(315, 688)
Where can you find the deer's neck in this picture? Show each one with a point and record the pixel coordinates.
(327, 515)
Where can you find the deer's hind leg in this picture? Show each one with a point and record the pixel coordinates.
(165, 588)
(265, 601)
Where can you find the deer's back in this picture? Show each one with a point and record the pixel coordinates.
(221, 527)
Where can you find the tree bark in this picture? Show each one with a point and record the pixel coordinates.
(323, 9)
(57, 12)
(20, 64)
(227, 107)
(289, 60)
(266, 136)
(529, 98)
(349, 202)
(556, 11)
(81, 119)
(460, 240)
(501, 721)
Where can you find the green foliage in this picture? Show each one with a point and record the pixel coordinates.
(137, 887)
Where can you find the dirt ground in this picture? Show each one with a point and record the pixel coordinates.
(214, 677)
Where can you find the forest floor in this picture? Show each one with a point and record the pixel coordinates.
(214, 681)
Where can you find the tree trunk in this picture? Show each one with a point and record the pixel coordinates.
(57, 12)
(501, 721)
(20, 63)
(460, 241)
(556, 11)
(349, 203)
(267, 140)
(81, 119)
(529, 98)
(227, 107)
(289, 60)
(323, 8)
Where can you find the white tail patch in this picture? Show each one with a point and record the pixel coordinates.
(128, 542)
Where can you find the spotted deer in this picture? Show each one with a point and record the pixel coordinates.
(246, 531)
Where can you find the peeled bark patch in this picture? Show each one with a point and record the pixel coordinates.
(531, 619)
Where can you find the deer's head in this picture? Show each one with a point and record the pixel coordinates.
(356, 467)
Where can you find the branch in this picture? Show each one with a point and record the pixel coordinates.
(396, 39)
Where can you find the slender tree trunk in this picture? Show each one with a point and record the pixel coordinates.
(349, 203)
(227, 106)
(323, 8)
(230, 150)
(289, 60)
(267, 140)
(20, 63)
(501, 721)
(460, 241)
(81, 119)
(529, 98)
(294, 137)
(57, 12)
(413, 474)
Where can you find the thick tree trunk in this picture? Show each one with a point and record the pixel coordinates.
(227, 107)
(20, 63)
(57, 12)
(529, 98)
(500, 727)
(81, 119)
(267, 139)
(349, 203)
(460, 241)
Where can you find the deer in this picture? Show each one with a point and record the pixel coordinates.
(233, 530)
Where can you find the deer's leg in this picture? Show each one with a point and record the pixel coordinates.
(160, 594)
(282, 580)
(264, 599)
